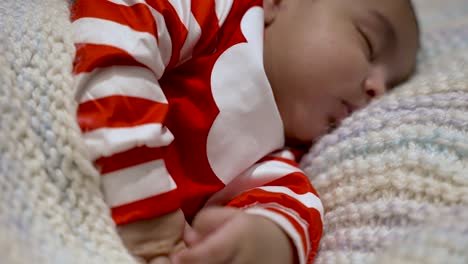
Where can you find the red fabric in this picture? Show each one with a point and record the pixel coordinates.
(299, 184)
(176, 28)
(137, 17)
(138, 210)
(129, 158)
(89, 57)
(120, 111)
(189, 115)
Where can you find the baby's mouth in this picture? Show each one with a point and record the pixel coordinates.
(332, 124)
(346, 109)
(349, 109)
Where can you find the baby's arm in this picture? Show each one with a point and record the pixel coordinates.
(122, 109)
(278, 198)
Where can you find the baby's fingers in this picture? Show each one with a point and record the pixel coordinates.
(215, 249)
(160, 260)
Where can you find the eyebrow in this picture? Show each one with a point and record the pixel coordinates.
(389, 29)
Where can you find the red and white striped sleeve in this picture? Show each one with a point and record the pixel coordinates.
(277, 189)
(123, 47)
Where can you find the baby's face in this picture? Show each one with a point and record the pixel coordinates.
(326, 58)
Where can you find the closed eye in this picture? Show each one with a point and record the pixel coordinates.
(368, 42)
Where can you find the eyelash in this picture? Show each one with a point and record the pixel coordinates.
(368, 43)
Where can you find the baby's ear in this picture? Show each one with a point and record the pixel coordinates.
(271, 9)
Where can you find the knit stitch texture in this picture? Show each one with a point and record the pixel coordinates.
(51, 207)
(393, 178)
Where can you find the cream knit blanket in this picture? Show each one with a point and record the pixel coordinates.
(393, 178)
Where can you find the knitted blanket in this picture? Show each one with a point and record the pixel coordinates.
(393, 178)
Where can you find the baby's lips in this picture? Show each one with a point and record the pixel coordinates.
(343, 110)
(349, 108)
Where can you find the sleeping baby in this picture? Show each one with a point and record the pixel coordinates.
(195, 113)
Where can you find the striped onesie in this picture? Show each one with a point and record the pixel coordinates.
(177, 113)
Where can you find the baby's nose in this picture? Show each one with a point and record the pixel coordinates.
(375, 85)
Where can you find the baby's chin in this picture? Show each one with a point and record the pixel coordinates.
(304, 140)
(297, 143)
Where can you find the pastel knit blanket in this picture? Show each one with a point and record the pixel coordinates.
(393, 178)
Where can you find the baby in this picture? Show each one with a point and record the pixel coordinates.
(186, 108)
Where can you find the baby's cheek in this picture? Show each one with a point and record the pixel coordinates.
(353, 67)
(307, 123)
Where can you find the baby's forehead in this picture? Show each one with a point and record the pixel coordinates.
(402, 9)
(399, 14)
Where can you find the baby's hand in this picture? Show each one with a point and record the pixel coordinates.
(151, 241)
(229, 235)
